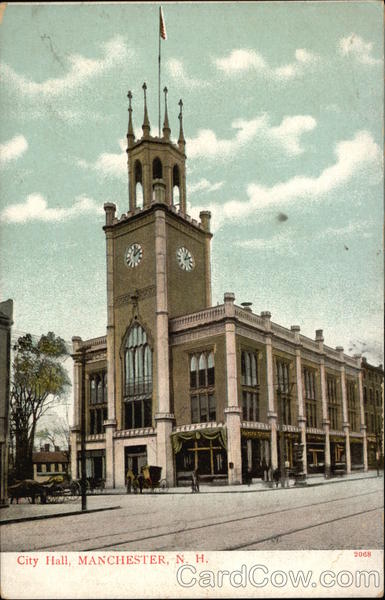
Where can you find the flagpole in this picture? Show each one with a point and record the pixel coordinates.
(159, 76)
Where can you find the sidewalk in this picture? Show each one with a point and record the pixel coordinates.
(109, 499)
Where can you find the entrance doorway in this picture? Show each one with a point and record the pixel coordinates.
(135, 457)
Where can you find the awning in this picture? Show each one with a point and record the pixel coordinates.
(218, 433)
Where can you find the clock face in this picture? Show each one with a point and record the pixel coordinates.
(133, 255)
(185, 259)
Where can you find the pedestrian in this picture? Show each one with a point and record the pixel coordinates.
(287, 467)
(249, 477)
(129, 480)
(195, 481)
(276, 477)
(264, 469)
(140, 482)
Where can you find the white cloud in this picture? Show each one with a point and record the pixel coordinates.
(280, 243)
(35, 208)
(352, 156)
(357, 227)
(80, 71)
(108, 164)
(288, 133)
(13, 149)
(206, 144)
(356, 47)
(242, 61)
(203, 185)
(177, 70)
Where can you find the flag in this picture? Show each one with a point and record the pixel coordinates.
(162, 26)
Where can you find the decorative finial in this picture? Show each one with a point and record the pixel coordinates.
(146, 122)
(166, 126)
(181, 140)
(130, 132)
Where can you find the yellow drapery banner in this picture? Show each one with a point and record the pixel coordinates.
(208, 434)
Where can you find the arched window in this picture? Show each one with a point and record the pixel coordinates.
(193, 372)
(92, 390)
(97, 410)
(202, 381)
(175, 186)
(202, 370)
(157, 171)
(137, 379)
(138, 184)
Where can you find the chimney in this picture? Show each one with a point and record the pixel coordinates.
(46, 447)
(57, 448)
(247, 306)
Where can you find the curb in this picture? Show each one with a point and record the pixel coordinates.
(248, 491)
(57, 515)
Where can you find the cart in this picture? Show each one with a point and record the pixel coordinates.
(58, 488)
(152, 478)
(61, 488)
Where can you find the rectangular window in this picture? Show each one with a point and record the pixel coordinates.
(202, 381)
(283, 391)
(39, 468)
(333, 407)
(250, 385)
(212, 408)
(310, 397)
(195, 409)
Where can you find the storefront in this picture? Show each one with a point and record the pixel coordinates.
(135, 457)
(356, 453)
(289, 439)
(337, 452)
(95, 464)
(204, 450)
(372, 451)
(315, 453)
(255, 452)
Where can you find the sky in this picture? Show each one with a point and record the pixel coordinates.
(283, 119)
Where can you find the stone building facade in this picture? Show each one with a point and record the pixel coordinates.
(373, 390)
(182, 384)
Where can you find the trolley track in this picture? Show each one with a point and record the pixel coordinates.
(218, 522)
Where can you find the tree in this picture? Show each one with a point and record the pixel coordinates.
(39, 382)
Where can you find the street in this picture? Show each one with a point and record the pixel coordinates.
(346, 515)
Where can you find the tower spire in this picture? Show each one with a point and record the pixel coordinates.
(181, 140)
(130, 131)
(166, 126)
(146, 122)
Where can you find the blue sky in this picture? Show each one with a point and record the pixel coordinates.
(283, 115)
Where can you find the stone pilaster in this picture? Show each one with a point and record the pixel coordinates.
(167, 177)
(301, 409)
(234, 454)
(363, 425)
(345, 416)
(271, 412)
(325, 417)
(163, 416)
(110, 424)
(147, 181)
(205, 217)
(232, 410)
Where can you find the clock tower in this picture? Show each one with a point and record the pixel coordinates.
(158, 267)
